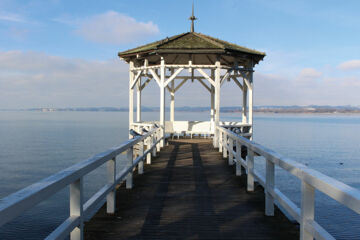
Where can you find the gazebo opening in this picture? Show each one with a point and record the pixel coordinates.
(191, 57)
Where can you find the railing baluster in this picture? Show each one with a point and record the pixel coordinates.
(231, 149)
(250, 169)
(307, 209)
(225, 145)
(238, 158)
(270, 177)
(129, 178)
(111, 196)
(148, 146)
(158, 136)
(220, 141)
(76, 208)
(141, 153)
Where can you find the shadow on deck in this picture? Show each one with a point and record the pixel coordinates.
(189, 192)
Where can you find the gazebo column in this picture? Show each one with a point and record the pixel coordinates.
(131, 96)
(251, 99)
(138, 101)
(212, 100)
(217, 102)
(244, 107)
(162, 101)
(172, 102)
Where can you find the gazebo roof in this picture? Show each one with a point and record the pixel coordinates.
(192, 43)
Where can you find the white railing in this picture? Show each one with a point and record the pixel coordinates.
(205, 128)
(311, 180)
(18, 202)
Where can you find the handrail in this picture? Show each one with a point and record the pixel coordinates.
(311, 180)
(22, 200)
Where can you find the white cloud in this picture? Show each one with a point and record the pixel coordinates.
(349, 65)
(115, 28)
(30, 79)
(309, 73)
(11, 17)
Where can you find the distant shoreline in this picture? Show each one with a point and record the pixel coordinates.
(257, 109)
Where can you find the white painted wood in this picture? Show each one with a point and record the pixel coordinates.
(250, 165)
(311, 180)
(148, 147)
(231, 155)
(173, 76)
(211, 81)
(251, 99)
(217, 101)
(238, 83)
(270, 183)
(225, 145)
(155, 76)
(162, 102)
(244, 106)
(16, 203)
(129, 162)
(131, 97)
(135, 79)
(138, 101)
(76, 208)
(172, 102)
(205, 86)
(238, 158)
(141, 153)
(64, 229)
(307, 209)
(111, 196)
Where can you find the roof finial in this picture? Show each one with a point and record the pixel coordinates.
(192, 18)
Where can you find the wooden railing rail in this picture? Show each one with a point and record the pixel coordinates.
(18, 202)
(311, 180)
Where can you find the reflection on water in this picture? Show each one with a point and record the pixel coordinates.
(34, 145)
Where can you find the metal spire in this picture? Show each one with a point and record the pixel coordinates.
(192, 18)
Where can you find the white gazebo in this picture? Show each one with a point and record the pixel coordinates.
(188, 57)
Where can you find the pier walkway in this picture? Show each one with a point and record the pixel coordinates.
(189, 192)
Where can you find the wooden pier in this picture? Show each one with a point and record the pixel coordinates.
(190, 192)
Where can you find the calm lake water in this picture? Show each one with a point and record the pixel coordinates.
(34, 145)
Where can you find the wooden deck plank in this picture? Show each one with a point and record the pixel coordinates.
(189, 192)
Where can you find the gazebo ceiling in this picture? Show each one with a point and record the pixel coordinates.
(197, 47)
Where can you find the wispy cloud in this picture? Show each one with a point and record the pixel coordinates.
(309, 73)
(110, 27)
(11, 17)
(349, 65)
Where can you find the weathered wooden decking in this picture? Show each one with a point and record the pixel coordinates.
(189, 192)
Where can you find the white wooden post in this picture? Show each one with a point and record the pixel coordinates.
(220, 140)
(131, 96)
(76, 208)
(244, 107)
(129, 159)
(251, 99)
(212, 100)
(138, 101)
(172, 102)
(162, 101)
(238, 158)
(217, 102)
(307, 209)
(231, 155)
(148, 146)
(111, 176)
(270, 180)
(141, 153)
(225, 145)
(158, 136)
(250, 169)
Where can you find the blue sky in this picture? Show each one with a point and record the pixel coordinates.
(63, 53)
